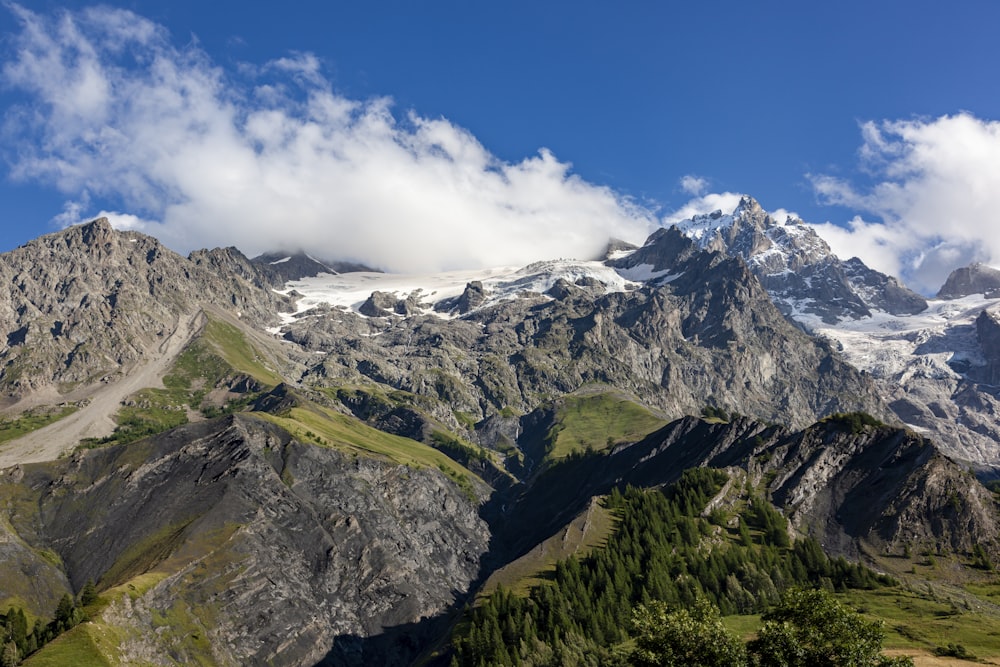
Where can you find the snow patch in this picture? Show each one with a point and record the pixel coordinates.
(899, 347)
(348, 291)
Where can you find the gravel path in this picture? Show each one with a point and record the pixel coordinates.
(96, 419)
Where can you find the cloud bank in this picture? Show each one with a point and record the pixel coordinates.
(934, 194)
(271, 157)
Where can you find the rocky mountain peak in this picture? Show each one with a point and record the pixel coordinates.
(91, 301)
(97, 231)
(748, 206)
(976, 278)
(798, 267)
(665, 248)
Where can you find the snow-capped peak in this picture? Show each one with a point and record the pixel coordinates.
(797, 267)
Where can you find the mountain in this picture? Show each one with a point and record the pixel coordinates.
(270, 548)
(707, 334)
(286, 266)
(257, 467)
(91, 303)
(798, 268)
(973, 279)
(929, 358)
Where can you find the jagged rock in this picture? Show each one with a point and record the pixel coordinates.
(379, 304)
(283, 267)
(618, 247)
(90, 302)
(988, 335)
(881, 487)
(973, 279)
(798, 268)
(882, 292)
(280, 552)
(472, 297)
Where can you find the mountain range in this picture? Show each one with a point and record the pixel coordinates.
(286, 460)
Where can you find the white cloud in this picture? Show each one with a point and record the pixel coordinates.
(117, 114)
(694, 185)
(935, 192)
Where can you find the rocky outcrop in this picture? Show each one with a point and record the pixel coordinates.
(276, 551)
(885, 488)
(798, 268)
(857, 487)
(89, 302)
(974, 279)
(882, 292)
(709, 335)
(988, 335)
(285, 266)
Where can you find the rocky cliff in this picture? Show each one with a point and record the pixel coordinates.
(86, 304)
(974, 279)
(233, 543)
(705, 333)
(798, 268)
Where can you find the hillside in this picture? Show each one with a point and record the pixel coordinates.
(234, 470)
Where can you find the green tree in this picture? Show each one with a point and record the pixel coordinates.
(809, 628)
(692, 638)
(10, 656)
(89, 593)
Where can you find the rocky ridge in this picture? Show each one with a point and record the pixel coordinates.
(798, 268)
(274, 550)
(88, 303)
(973, 279)
(709, 335)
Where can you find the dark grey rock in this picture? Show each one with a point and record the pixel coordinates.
(973, 279)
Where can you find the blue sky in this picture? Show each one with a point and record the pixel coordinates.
(433, 135)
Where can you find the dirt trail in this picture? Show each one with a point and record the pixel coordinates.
(95, 420)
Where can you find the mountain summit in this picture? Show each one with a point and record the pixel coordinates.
(798, 268)
(973, 279)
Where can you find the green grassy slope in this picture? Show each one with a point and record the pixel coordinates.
(593, 422)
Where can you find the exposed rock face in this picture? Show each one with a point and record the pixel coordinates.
(882, 487)
(280, 552)
(988, 335)
(710, 335)
(798, 268)
(472, 297)
(873, 489)
(286, 266)
(974, 279)
(882, 292)
(89, 301)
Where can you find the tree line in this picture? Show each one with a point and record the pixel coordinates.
(20, 641)
(663, 552)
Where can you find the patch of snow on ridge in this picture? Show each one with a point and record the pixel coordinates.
(701, 228)
(280, 261)
(621, 254)
(642, 273)
(348, 291)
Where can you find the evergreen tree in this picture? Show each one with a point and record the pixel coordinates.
(89, 593)
(10, 656)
